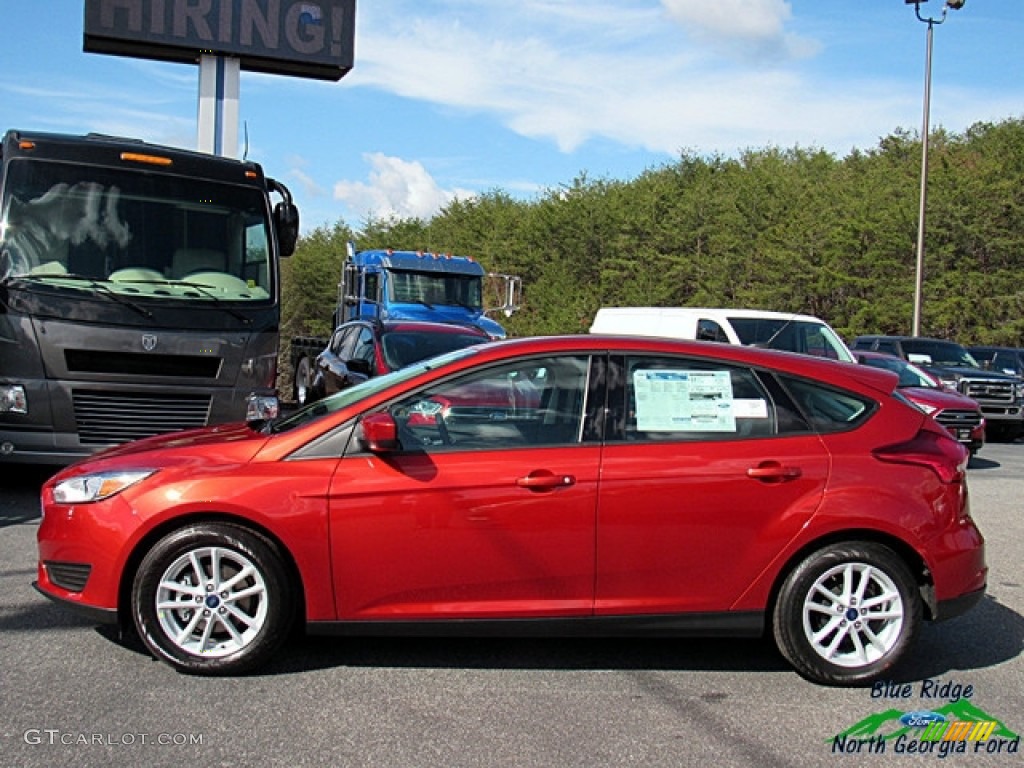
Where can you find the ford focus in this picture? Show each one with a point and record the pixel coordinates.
(587, 485)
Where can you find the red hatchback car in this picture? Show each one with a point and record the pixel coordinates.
(619, 486)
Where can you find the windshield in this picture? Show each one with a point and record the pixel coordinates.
(910, 375)
(944, 353)
(365, 389)
(402, 348)
(138, 234)
(790, 335)
(436, 288)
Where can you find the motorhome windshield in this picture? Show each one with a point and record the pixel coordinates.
(141, 235)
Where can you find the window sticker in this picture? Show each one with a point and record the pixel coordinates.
(752, 408)
(684, 401)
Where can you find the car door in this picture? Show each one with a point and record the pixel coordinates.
(707, 473)
(488, 511)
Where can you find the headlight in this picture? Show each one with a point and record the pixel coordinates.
(1018, 389)
(929, 409)
(102, 485)
(952, 384)
(12, 399)
(261, 407)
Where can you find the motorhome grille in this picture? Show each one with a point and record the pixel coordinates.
(117, 417)
(138, 364)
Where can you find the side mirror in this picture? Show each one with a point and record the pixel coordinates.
(378, 433)
(286, 221)
(359, 366)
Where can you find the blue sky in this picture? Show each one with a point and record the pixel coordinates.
(456, 97)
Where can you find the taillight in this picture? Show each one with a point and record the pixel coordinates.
(929, 448)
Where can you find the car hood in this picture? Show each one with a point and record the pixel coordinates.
(227, 443)
(941, 399)
(969, 373)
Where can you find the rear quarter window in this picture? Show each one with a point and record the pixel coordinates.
(828, 409)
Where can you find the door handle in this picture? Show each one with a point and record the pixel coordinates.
(773, 472)
(542, 480)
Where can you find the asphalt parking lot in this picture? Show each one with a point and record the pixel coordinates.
(75, 695)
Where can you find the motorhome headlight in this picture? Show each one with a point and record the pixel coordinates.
(12, 399)
(97, 486)
(261, 407)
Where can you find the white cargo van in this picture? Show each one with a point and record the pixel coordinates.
(775, 330)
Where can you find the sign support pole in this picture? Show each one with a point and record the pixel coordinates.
(218, 105)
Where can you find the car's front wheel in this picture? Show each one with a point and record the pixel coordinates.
(303, 377)
(847, 613)
(212, 599)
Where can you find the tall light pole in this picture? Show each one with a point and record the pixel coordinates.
(921, 213)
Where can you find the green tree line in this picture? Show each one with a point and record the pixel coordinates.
(795, 230)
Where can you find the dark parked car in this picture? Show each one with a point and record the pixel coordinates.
(1000, 396)
(1009, 360)
(361, 349)
(958, 413)
(583, 485)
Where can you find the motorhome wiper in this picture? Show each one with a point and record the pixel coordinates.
(101, 289)
(207, 291)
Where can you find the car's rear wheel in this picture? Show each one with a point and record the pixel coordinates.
(847, 613)
(212, 599)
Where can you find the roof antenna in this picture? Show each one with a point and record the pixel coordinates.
(245, 127)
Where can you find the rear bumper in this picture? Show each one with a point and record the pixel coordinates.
(956, 606)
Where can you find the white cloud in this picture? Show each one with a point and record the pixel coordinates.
(751, 29)
(570, 72)
(396, 187)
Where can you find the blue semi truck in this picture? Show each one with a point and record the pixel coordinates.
(412, 285)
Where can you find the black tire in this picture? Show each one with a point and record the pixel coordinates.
(824, 638)
(302, 381)
(227, 623)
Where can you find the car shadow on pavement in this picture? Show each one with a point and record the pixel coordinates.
(988, 635)
(980, 462)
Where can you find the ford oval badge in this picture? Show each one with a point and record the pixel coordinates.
(922, 718)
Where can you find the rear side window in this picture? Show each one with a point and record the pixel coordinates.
(666, 398)
(827, 409)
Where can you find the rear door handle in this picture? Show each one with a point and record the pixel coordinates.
(773, 472)
(543, 480)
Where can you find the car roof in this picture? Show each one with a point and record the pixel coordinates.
(709, 312)
(836, 372)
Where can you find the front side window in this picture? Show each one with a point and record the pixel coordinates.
(709, 330)
(141, 235)
(364, 348)
(528, 403)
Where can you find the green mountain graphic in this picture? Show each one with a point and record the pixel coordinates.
(887, 724)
